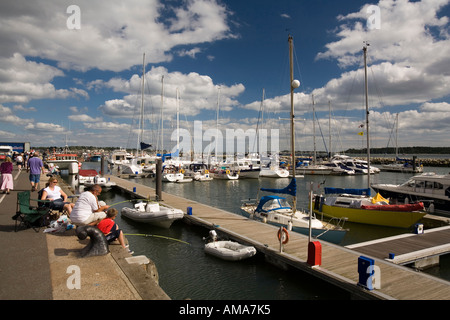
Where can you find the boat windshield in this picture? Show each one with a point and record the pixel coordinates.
(276, 204)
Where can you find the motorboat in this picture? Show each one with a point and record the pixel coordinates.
(228, 250)
(356, 205)
(430, 188)
(198, 172)
(360, 166)
(86, 175)
(247, 168)
(338, 168)
(314, 169)
(172, 173)
(132, 168)
(270, 168)
(153, 213)
(65, 161)
(119, 157)
(225, 173)
(103, 182)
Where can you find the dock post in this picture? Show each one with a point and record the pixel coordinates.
(158, 179)
(102, 165)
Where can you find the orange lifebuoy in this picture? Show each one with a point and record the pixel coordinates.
(284, 232)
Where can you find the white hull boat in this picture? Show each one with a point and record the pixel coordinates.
(202, 177)
(276, 211)
(274, 172)
(226, 174)
(101, 181)
(228, 250)
(152, 213)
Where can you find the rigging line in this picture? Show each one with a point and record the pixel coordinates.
(321, 133)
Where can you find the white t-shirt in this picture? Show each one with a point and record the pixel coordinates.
(53, 194)
(84, 207)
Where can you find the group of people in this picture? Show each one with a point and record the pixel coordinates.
(88, 211)
(85, 211)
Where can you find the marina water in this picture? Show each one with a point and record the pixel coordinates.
(186, 272)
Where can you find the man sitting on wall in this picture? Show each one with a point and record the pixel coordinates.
(87, 210)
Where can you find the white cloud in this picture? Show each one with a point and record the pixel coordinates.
(22, 81)
(84, 118)
(45, 128)
(408, 61)
(112, 35)
(197, 93)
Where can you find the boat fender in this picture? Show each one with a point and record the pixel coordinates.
(283, 233)
(228, 172)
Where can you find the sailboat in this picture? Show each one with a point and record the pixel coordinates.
(276, 210)
(313, 169)
(401, 165)
(173, 171)
(357, 205)
(136, 165)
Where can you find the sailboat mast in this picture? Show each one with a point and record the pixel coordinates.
(367, 113)
(162, 114)
(291, 63)
(178, 121)
(141, 123)
(314, 130)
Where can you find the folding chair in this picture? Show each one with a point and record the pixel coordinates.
(28, 215)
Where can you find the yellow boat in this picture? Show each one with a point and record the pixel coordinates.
(368, 210)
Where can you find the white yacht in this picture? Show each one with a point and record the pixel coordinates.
(430, 188)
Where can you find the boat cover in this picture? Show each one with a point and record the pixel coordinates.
(266, 199)
(396, 207)
(361, 192)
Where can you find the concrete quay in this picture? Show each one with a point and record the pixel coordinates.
(48, 266)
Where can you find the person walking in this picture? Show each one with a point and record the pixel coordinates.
(7, 182)
(35, 167)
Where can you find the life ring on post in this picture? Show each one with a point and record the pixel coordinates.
(283, 234)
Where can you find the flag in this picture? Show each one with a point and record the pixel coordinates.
(361, 133)
(145, 145)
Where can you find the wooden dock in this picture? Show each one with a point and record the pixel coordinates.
(339, 265)
(422, 250)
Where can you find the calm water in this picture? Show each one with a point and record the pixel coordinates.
(185, 271)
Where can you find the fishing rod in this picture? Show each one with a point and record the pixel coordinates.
(156, 236)
(114, 204)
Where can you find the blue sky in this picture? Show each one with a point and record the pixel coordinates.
(82, 85)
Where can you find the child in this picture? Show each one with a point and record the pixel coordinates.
(111, 230)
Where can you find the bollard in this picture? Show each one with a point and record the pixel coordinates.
(97, 246)
(418, 228)
(314, 253)
(365, 271)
